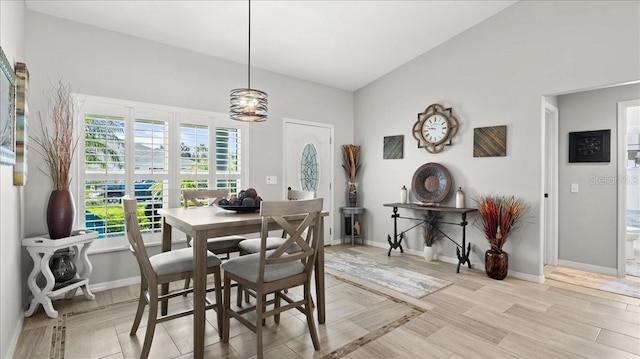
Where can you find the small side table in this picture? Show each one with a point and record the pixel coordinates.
(354, 214)
(41, 249)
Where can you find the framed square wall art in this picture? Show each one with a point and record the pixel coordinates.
(490, 141)
(393, 147)
(22, 124)
(7, 111)
(590, 146)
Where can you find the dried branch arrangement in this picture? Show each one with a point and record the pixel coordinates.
(500, 215)
(430, 231)
(351, 161)
(57, 146)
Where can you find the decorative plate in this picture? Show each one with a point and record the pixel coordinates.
(431, 183)
(239, 208)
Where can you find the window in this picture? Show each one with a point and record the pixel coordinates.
(309, 168)
(150, 152)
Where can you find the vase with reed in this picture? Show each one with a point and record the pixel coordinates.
(499, 217)
(351, 165)
(57, 146)
(430, 233)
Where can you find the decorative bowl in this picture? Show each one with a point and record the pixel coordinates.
(431, 183)
(239, 208)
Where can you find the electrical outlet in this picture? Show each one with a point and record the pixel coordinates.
(272, 179)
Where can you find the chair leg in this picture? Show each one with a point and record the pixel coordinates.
(226, 311)
(187, 283)
(259, 319)
(276, 317)
(219, 303)
(141, 303)
(309, 313)
(264, 308)
(246, 296)
(238, 295)
(151, 322)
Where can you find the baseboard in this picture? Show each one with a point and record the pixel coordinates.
(588, 267)
(99, 287)
(16, 336)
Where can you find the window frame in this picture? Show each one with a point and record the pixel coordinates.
(174, 116)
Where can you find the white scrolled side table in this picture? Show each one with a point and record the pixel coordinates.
(41, 249)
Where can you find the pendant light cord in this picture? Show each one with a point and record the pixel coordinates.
(249, 55)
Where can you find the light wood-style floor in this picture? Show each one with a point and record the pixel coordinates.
(474, 317)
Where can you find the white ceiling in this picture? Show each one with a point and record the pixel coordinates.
(344, 44)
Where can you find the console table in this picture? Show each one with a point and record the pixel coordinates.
(463, 256)
(41, 249)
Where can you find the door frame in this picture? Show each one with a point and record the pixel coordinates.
(549, 185)
(622, 184)
(330, 218)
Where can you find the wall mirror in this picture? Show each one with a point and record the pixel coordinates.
(7, 111)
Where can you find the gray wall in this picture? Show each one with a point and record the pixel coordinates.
(493, 74)
(11, 210)
(588, 219)
(104, 63)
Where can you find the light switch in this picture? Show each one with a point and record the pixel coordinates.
(272, 179)
(574, 188)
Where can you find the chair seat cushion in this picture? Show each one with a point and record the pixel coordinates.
(247, 268)
(253, 245)
(215, 244)
(178, 260)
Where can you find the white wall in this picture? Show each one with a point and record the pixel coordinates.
(11, 210)
(588, 224)
(104, 63)
(493, 74)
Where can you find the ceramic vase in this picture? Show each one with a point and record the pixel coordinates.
(496, 263)
(60, 214)
(428, 253)
(352, 195)
(62, 265)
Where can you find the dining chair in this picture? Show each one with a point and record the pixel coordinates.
(208, 197)
(252, 245)
(273, 271)
(163, 268)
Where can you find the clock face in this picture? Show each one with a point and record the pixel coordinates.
(435, 129)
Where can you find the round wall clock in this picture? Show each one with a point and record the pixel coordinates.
(435, 128)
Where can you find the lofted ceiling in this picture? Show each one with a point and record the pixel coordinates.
(343, 44)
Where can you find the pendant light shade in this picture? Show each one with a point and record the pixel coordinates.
(247, 104)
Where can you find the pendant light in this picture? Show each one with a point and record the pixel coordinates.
(247, 104)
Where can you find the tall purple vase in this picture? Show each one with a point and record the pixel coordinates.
(60, 214)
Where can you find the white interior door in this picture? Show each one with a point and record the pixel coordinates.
(624, 204)
(308, 157)
(550, 232)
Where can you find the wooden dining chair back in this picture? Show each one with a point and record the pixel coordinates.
(253, 245)
(296, 195)
(196, 196)
(273, 271)
(209, 197)
(163, 268)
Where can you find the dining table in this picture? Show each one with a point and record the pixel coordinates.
(202, 223)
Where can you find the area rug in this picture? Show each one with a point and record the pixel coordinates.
(629, 286)
(633, 267)
(401, 280)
